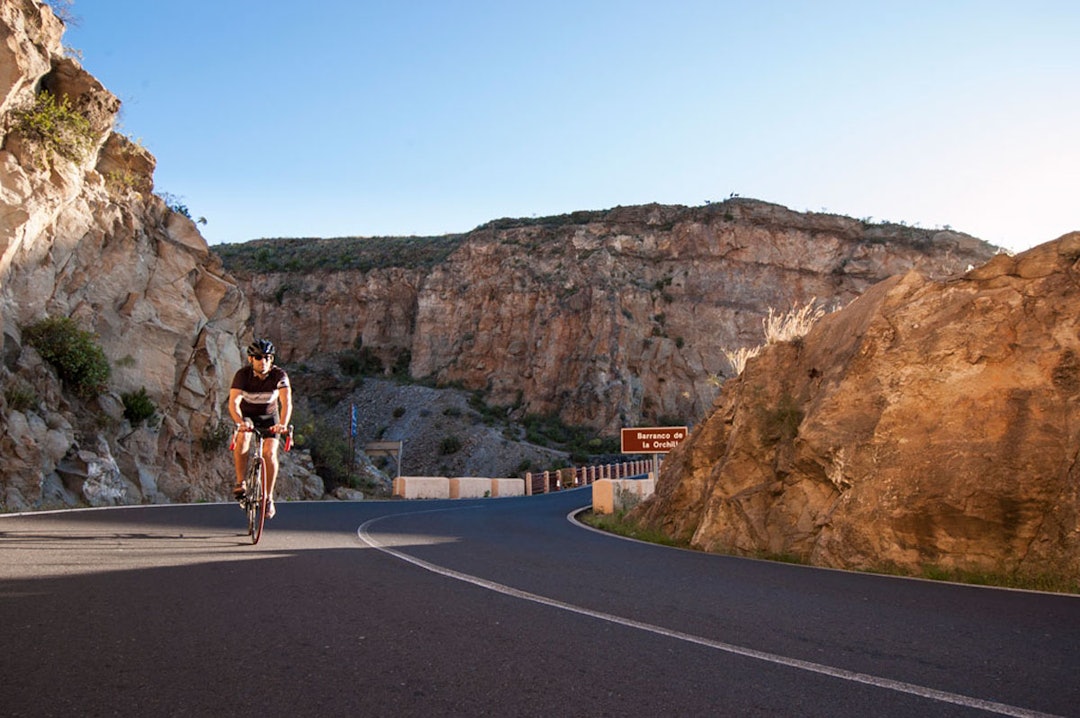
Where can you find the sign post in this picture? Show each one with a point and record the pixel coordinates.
(653, 440)
(385, 448)
(352, 441)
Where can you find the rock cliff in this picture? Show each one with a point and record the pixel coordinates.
(83, 236)
(608, 318)
(929, 423)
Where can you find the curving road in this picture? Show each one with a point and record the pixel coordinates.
(496, 607)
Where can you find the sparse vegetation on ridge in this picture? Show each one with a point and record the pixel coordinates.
(305, 254)
(555, 220)
(62, 9)
(344, 253)
(176, 204)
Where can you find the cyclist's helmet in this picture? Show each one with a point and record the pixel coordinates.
(261, 347)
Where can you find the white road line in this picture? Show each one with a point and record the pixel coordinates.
(841, 673)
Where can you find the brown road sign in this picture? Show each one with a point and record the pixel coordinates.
(382, 448)
(652, 440)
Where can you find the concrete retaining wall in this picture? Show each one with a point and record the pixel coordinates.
(507, 487)
(469, 487)
(461, 487)
(422, 487)
(611, 495)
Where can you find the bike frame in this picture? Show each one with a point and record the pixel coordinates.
(256, 491)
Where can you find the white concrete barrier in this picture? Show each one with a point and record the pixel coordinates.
(460, 487)
(469, 487)
(507, 487)
(612, 495)
(422, 487)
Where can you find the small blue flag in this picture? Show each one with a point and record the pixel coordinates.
(354, 420)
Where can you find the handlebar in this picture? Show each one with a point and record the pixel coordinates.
(248, 427)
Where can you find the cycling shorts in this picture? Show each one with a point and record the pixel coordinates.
(264, 422)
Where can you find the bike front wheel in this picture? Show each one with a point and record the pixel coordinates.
(256, 505)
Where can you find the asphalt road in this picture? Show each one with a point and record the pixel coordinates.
(495, 607)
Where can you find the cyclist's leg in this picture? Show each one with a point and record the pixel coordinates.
(270, 461)
(240, 459)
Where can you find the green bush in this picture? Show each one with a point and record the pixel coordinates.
(55, 128)
(364, 362)
(581, 441)
(138, 407)
(449, 445)
(401, 364)
(329, 447)
(216, 435)
(781, 423)
(73, 352)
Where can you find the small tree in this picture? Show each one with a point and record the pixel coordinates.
(62, 10)
(138, 406)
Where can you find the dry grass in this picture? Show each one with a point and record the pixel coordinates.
(778, 327)
(792, 324)
(740, 356)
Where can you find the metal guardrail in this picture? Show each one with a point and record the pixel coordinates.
(571, 477)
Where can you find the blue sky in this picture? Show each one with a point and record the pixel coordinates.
(402, 117)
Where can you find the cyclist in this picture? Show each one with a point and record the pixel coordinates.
(260, 395)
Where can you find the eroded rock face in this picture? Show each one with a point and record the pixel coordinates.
(85, 238)
(609, 319)
(929, 422)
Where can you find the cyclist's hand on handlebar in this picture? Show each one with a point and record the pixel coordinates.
(279, 429)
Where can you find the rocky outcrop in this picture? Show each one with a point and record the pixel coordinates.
(82, 236)
(608, 319)
(928, 423)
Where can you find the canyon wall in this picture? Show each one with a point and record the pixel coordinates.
(608, 318)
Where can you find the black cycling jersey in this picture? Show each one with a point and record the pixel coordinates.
(259, 400)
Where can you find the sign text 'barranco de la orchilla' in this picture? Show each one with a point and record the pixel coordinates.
(652, 440)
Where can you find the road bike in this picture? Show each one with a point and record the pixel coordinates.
(256, 490)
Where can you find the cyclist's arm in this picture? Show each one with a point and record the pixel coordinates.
(235, 397)
(285, 406)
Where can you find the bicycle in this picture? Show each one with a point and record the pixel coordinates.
(256, 492)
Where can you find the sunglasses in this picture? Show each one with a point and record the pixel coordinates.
(261, 357)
